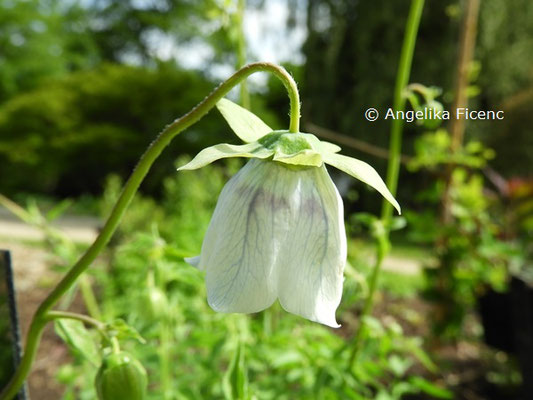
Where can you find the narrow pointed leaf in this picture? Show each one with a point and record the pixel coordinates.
(329, 147)
(235, 383)
(362, 171)
(122, 331)
(246, 125)
(210, 154)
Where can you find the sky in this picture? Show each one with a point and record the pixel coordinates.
(267, 37)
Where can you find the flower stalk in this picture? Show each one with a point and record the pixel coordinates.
(43, 314)
(393, 169)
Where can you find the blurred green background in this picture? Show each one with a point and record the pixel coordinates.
(92, 82)
(85, 86)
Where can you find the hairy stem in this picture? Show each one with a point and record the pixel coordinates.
(395, 146)
(130, 188)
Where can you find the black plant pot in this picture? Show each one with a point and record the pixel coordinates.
(507, 320)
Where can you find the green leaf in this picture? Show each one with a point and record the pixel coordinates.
(246, 125)
(58, 209)
(235, 384)
(121, 330)
(213, 153)
(397, 223)
(78, 339)
(430, 388)
(398, 365)
(383, 395)
(418, 352)
(362, 171)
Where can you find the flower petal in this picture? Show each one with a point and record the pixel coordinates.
(362, 171)
(276, 232)
(193, 261)
(246, 125)
(311, 263)
(210, 154)
(246, 232)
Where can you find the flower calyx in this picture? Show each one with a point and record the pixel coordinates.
(293, 150)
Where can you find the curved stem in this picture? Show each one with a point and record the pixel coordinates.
(130, 188)
(51, 315)
(395, 146)
(98, 325)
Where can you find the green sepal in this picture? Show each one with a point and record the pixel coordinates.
(362, 171)
(246, 125)
(320, 145)
(292, 148)
(307, 158)
(219, 151)
(119, 329)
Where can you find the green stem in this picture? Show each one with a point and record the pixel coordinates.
(89, 298)
(51, 315)
(98, 325)
(115, 345)
(165, 337)
(130, 188)
(402, 80)
(395, 146)
(241, 53)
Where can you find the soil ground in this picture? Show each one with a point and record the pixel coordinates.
(33, 281)
(29, 265)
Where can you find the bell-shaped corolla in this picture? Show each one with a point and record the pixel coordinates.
(278, 228)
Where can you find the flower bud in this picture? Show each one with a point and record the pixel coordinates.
(157, 304)
(435, 110)
(121, 377)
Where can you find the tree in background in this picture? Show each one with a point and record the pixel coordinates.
(87, 82)
(354, 50)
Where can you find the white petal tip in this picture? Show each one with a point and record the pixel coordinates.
(332, 323)
(216, 308)
(193, 261)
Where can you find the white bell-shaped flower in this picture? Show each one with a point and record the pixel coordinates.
(276, 233)
(278, 228)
